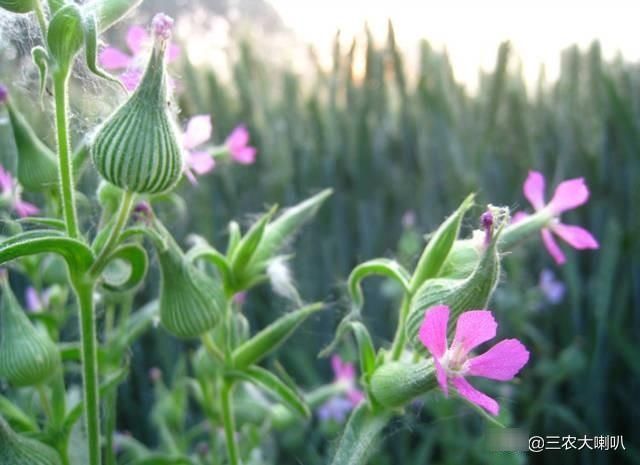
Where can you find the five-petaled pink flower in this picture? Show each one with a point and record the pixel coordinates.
(337, 407)
(453, 363)
(567, 196)
(10, 192)
(238, 145)
(138, 41)
(197, 133)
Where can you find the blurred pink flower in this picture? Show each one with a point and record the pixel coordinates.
(138, 41)
(10, 191)
(337, 407)
(37, 302)
(197, 133)
(568, 195)
(238, 145)
(552, 288)
(453, 363)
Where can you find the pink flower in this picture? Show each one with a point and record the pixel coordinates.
(138, 40)
(197, 133)
(567, 196)
(501, 362)
(238, 145)
(337, 407)
(10, 191)
(37, 302)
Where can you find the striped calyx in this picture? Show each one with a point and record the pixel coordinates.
(460, 295)
(17, 6)
(27, 355)
(191, 302)
(37, 165)
(16, 449)
(138, 147)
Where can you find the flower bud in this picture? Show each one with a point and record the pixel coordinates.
(460, 295)
(16, 449)
(37, 166)
(191, 303)
(27, 356)
(138, 148)
(395, 384)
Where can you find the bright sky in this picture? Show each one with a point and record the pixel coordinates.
(472, 30)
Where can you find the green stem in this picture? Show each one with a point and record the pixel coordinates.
(111, 403)
(65, 169)
(121, 220)
(42, 18)
(44, 400)
(84, 293)
(399, 338)
(229, 423)
(58, 393)
(211, 347)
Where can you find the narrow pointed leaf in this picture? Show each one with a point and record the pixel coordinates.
(41, 59)
(271, 383)
(270, 338)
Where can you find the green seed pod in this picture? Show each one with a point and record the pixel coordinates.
(462, 259)
(37, 166)
(138, 147)
(27, 356)
(191, 303)
(17, 6)
(16, 449)
(460, 295)
(395, 384)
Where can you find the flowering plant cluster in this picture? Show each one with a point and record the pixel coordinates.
(74, 270)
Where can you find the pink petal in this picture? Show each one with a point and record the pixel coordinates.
(474, 396)
(244, 156)
(569, 195)
(190, 176)
(473, 328)
(23, 208)
(552, 247)
(519, 216)
(238, 138)
(136, 38)
(173, 52)
(433, 331)
(200, 162)
(577, 237)
(355, 396)
(113, 58)
(131, 78)
(502, 362)
(534, 189)
(6, 181)
(198, 131)
(441, 376)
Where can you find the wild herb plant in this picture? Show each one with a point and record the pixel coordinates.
(141, 156)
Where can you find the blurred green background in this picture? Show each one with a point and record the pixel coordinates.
(394, 141)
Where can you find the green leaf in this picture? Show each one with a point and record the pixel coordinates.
(109, 12)
(53, 223)
(279, 231)
(90, 27)
(234, 238)
(249, 243)
(137, 324)
(379, 266)
(77, 255)
(361, 436)
(365, 348)
(118, 279)
(19, 418)
(214, 257)
(271, 383)
(65, 35)
(435, 253)
(270, 338)
(41, 59)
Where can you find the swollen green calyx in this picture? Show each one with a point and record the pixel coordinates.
(16, 449)
(138, 148)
